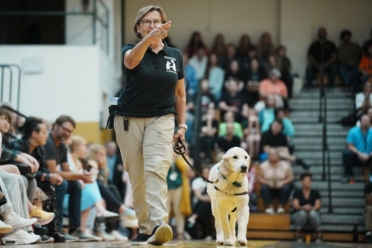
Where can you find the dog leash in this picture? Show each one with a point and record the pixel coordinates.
(180, 149)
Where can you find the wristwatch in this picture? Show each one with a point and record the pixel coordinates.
(183, 126)
(47, 178)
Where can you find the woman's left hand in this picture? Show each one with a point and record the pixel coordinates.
(180, 134)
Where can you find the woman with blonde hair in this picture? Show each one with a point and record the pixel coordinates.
(97, 161)
(91, 196)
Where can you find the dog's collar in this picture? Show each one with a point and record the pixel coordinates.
(236, 183)
(237, 194)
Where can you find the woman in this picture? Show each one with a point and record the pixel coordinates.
(109, 192)
(215, 76)
(34, 137)
(194, 44)
(265, 48)
(276, 178)
(90, 194)
(179, 193)
(144, 121)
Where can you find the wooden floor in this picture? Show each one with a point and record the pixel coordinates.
(200, 244)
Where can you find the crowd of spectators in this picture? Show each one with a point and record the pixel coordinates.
(47, 177)
(244, 91)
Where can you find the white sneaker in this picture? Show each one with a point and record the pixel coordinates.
(20, 237)
(127, 222)
(118, 236)
(5, 228)
(280, 211)
(105, 236)
(12, 218)
(160, 235)
(270, 211)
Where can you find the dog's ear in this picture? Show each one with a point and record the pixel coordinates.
(224, 166)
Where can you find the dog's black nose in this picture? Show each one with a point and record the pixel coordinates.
(244, 168)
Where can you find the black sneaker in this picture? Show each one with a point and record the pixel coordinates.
(161, 235)
(59, 237)
(141, 239)
(40, 230)
(46, 239)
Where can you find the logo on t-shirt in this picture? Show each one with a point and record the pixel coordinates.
(170, 65)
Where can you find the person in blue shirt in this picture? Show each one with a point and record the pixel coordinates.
(359, 148)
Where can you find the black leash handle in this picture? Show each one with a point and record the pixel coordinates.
(180, 149)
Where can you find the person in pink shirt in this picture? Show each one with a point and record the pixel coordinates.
(273, 85)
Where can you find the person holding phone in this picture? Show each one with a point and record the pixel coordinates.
(144, 123)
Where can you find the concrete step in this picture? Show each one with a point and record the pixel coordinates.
(341, 210)
(323, 185)
(341, 101)
(318, 169)
(342, 219)
(340, 228)
(314, 115)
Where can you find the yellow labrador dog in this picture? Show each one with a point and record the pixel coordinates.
(229, 196)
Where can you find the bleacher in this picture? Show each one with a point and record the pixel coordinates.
(347, 206)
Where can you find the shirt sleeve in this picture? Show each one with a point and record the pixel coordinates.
(350, 136)
(50, 153)
(126, 48)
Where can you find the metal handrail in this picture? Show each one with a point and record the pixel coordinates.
(325, 147)
(10, 66)
(104, 23)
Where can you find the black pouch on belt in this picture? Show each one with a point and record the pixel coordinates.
(110, 119)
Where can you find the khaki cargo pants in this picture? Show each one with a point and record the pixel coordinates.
(147, 153)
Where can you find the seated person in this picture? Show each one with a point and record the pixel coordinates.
(274, 138)
(365, 64)
(230, 140)
(276, 177)
(306, 205)
(252, 133)
(208, 136)
(34, 134)
(317, 60)
(359, 148)
(267, 115)
(230, 118)
(178, 201)
(368, 215)
(232, 99)
(56, 154)
(348, 56)
(90, 194)
(274, 86)
(255, 75)
(17, 230)
(363, 100)
(202, 211)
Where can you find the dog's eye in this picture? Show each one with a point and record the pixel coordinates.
(245, 157)
(235, 157)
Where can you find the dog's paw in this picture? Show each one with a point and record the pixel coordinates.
(229, 242)
(220, 242)
(242, 242)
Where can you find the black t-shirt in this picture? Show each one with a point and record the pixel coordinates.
(314, 195)
(233, 101)
(368, 188)
(53, 152)
(150, 86)
(269, 139)
(225, 145)
(214, 124)
(316, 48)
